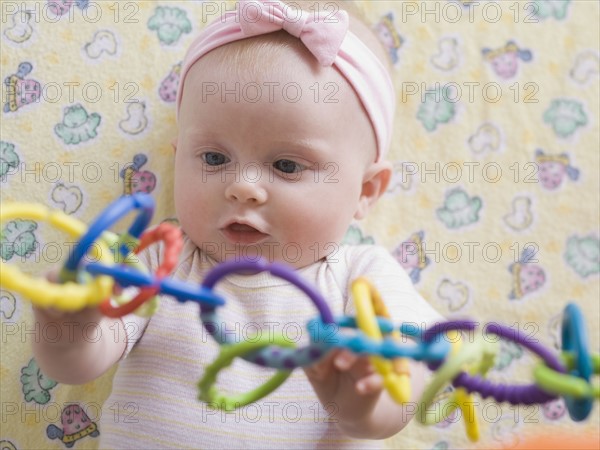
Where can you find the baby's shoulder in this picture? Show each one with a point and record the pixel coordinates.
(353, 261)
(360, 253)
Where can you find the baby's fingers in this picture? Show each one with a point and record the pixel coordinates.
(53, 275)
(322, 368)
(47, 314)
(345, 360)
(371, 384)
(357, 366)
(360, 369)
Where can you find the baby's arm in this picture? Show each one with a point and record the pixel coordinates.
(88, 345)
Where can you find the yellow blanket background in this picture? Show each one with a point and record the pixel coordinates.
(498, 167)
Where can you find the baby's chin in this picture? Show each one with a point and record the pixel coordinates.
(289, 255)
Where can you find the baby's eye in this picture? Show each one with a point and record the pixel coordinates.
(215, 158)
(287, 166)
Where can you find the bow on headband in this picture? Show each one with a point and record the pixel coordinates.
(321, 32)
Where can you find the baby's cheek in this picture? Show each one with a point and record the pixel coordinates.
(192, 202)
(308, 227)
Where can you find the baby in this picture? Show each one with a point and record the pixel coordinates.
(285, 118)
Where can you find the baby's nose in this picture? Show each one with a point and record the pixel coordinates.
(244, 191)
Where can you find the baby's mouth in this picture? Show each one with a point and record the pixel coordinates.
(242, 233)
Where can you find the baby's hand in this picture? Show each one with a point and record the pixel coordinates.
(349, 382)
(74, 357)
(45, 315)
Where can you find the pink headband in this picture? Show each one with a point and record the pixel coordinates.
(325, 35)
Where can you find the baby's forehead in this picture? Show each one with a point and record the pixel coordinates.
(270, 68)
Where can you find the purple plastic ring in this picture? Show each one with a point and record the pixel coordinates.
(526, 394)
(454, 325)
(271, 356)
(277, 269)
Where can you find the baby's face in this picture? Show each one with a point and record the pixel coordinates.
(276, 172)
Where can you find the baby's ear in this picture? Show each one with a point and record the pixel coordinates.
(375, 182)
(174, 144)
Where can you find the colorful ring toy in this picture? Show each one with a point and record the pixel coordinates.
(527, 394)
(70, 296)
(208, 392)
(271, 356)
(395, 373)
(575, 341)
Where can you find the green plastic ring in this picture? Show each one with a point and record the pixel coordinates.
(470, 353)
(565, 384)
(210, 394)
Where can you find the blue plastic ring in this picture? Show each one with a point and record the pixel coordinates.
(435, 350)
(183, 292)
(113, 213)
(575, 341)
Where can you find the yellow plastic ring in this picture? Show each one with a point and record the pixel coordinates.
(369, 304)
(69, 296)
